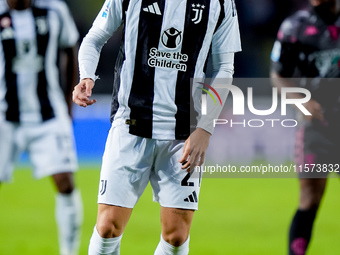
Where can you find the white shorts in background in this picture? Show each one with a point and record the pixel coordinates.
(50, 146)
(130, 162)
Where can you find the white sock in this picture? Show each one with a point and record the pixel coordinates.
(165, 248)
(69, 217)
(99, 245)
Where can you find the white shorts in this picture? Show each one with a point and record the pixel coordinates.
(50, 146)
(130, 162)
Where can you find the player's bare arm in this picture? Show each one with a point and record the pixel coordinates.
(70, 72)
(89, 53)
(194, 149)
(82, 93)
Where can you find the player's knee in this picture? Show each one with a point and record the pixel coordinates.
(176, 238)
(311, 193)
(310, 200)
(309, 204)
(65, 188)
(64, 182)
(108, 229)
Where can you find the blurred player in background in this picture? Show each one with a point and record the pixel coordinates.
(308, 46)
(34, 115)
(165, 43)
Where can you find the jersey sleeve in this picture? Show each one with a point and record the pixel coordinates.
(285, 52)
(226, 38)
(110, 16)
(68, 32)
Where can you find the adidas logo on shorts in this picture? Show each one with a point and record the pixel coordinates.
(192, 198)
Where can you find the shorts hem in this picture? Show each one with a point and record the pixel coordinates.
(6, 180)
(179, 207)
(116, 204)
(55, 171)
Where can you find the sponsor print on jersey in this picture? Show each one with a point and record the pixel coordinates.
(327, 62)
(171, 38)
(167, 59)
(27, 59)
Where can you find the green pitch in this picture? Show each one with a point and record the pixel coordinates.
(236, 216)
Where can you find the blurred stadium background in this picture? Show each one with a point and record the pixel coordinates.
(239, 216)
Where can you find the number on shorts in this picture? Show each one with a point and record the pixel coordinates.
(186, 178)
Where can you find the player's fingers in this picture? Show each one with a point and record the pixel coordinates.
(82, 100)
(89, 87)
(201, 159)
(91, 102)
(186, 165)
(77, 91)
(83, 97)
(88, 101)
(76, 87)
(193, 160)
(79, 102)
(186, 152)
(77, 95)
(80, 87)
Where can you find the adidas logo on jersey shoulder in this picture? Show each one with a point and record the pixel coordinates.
(153, 8)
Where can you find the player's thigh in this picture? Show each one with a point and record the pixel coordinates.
(51, 148)
(176, 224)
(126, 166)
(9, 149)
(172, 186)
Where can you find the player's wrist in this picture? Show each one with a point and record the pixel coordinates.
(88, 79)
(203, 131)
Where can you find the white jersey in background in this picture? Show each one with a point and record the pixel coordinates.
(29, 79)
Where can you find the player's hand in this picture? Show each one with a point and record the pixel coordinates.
(194, 149)
(82, 92)
(315, 109)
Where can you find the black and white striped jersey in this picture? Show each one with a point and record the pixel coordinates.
(165, 44)
(30, 90)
